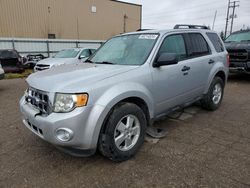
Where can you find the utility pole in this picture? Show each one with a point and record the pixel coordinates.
(228, 6)
(214, 19)
(233, 5)
(124, 23)
(232, 21)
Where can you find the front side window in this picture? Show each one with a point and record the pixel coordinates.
(85, 53)
(213, 37)
(126, 49)
(69, 53)
(92, 51)
(174, 44)
(196, 45)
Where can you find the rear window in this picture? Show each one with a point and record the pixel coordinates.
(213, 37)
(8, 54)
(196, 45)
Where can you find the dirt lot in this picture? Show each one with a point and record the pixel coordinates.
(202, 149)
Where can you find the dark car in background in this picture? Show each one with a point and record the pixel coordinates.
(238, 47)
(12, 61)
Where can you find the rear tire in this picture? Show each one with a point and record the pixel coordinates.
(212, 100)
(124, 132)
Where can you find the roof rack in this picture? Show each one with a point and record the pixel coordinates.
(186, 26)
(143, 29)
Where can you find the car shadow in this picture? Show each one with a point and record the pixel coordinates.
(239, 77)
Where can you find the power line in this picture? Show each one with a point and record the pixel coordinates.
(184, 9)
(190, 12)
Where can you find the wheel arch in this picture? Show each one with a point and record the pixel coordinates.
(221, 74)
(216, 71)
(135, 100)
(133, 93)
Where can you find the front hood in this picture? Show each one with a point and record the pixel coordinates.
(237, 45)
(53, 61)
(74, 78)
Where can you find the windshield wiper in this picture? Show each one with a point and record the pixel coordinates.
(88, 61)
(105, 62)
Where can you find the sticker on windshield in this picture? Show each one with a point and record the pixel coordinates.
(148, 36)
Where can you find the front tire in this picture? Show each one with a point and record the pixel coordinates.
(212, 100)
(123, 134)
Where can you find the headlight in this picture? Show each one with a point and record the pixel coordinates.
(68, 102)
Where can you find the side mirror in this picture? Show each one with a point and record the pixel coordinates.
(82, 56)
(166, 59)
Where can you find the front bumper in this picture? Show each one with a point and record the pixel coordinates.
(80, 121)
(239, 67)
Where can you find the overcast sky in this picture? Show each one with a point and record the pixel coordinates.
(166, 13)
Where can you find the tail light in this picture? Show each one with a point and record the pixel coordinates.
(228, 60)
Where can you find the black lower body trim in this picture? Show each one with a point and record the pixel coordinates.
(77, 152)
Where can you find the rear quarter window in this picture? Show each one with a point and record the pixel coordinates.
(214, 38)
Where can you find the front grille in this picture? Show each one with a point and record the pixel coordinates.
(41, 67)
(238, 55)
(39, 100)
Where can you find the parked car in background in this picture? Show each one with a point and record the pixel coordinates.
(238, 47)
(12, 61)
(67, 56)
(1, 72)
(133, 80)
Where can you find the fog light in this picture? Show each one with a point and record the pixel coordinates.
(64, 134)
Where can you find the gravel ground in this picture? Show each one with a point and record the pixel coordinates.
(201, 149)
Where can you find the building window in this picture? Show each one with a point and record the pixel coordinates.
(93, 9)
(51, 36)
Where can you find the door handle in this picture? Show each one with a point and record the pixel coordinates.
(185, 68)
(211, 61)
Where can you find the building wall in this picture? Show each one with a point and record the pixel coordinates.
(68, 19)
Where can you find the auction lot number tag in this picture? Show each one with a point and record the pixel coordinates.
(148, 36)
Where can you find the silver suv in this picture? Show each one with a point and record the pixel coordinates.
(134, 79)
(63, 57)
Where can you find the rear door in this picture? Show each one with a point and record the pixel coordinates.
(200, 60)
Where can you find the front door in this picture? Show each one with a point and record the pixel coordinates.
(171, 83)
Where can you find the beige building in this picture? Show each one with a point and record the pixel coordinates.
(68, 19)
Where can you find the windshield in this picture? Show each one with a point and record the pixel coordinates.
(239, 37)
(126, 50)
(69, 53)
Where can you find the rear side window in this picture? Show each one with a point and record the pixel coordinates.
(213, 37)
(196, 45)
(174, 44)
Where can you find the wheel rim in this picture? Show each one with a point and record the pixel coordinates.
(217, 93)
(127, 132)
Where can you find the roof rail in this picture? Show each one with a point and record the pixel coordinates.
(186, 26)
